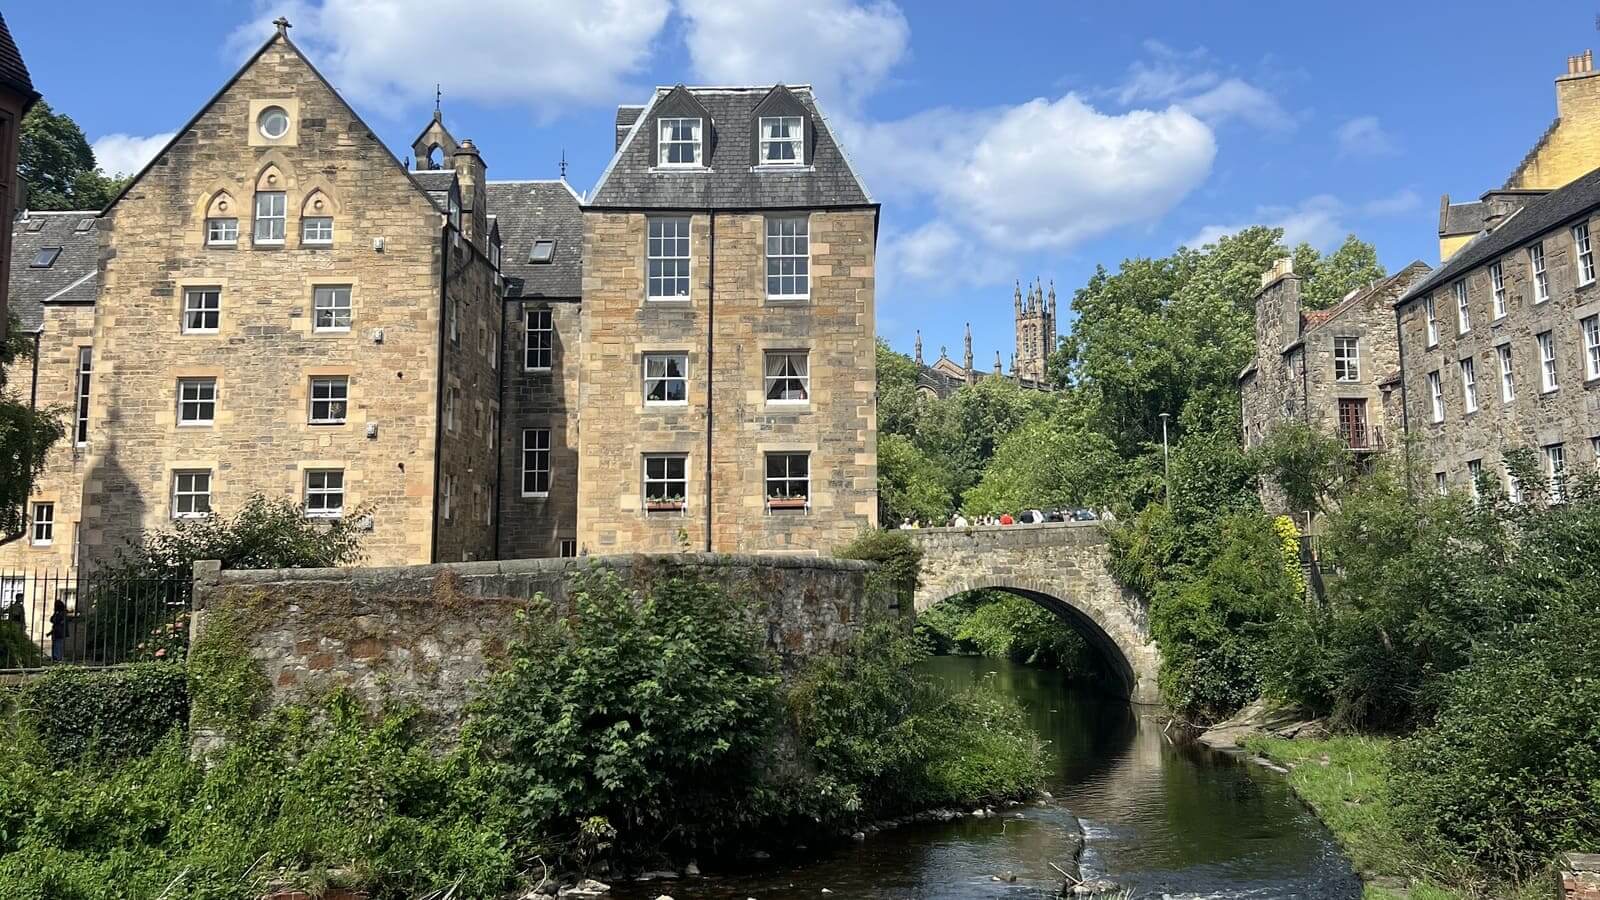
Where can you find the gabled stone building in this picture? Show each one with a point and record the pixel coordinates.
(477, 368)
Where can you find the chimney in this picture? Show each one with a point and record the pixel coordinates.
(471, 172)
(1278, 305)
(1576, 98)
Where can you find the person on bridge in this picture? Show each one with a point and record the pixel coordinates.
(958, 521)
(1005, 519)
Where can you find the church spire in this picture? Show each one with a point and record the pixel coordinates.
(997, 370)
(1016, 298)
(966, 356)
(919, 346)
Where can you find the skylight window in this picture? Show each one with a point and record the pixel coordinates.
(45, 258)
(543, 252)
(84, 225)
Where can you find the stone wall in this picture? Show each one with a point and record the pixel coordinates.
(1533, 418)
(1060, 566)
(837, 426)
(534, 526)
(428, 634)
(467, 456)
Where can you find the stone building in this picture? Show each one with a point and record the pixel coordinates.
(1500, 346)
(1568, 149)
(1035, 324)
(277, 305)
(727, 364)
(1332, 369)
(16, 97)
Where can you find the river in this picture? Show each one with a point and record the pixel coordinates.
(1161, 820)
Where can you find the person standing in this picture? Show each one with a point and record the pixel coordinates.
(58, 631)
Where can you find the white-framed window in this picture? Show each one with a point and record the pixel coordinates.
(788, 376)
(85, 370)
(1463, 317)
(788, 258)
(1513, 488)
(197, 401)
(330, 399)
(44, 524)
(543, 252)
(1508, 385)
(668, 258)
(666, 379)
(666, 482)
(1436, 395)
(1469, 385)
(1346, 359)
(1441, 484)
(202, 310)
(1541, 278)
(271, 215)
(1591, 346)
(680, 142)
(273, 123)
(494, 427)
(454, 206)
(452, 400)
(1497, 288)
(1555, 470)
(1584, 253)
(222, 232)
(324, 493)
(567, 548)
(316, 230)
(191, 494)
(788, 480)
(1547, 362)
(494, 349)
(447, 487)
(1432, 321)
(1594, 448)
(782, 140)
(330, 308)
(455, 322)
(1474, 472)
(535, 462)
(541, 339)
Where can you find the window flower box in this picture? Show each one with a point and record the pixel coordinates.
(664, 505)
(787, 503)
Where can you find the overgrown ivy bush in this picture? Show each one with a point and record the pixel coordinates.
(113, 714)
(899, 561)
(653, 712)
(889, 739)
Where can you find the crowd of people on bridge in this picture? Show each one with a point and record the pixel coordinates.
(1025, 517)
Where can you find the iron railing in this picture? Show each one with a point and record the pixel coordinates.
(51, 616)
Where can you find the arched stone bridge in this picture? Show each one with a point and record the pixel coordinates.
(1062, 567)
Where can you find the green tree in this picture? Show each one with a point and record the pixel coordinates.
(58, 165)
(898, 403)
(26, 434)
(911, 486)
(1328, 279)
(1048, 463)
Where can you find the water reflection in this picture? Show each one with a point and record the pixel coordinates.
(1160, 819)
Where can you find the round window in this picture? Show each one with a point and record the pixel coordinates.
(273, 122)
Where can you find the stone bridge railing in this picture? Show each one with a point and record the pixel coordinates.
(1060, 565)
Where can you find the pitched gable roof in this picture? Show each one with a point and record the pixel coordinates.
(529, 211)
(205, 107)
(72, 277)
(728, 180)
(1383, 289)
(13, 71)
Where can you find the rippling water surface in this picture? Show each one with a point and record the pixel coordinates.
(1161, 820)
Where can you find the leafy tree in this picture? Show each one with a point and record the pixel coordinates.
(26, 434)
(912, 487)
(1312, 469)
(1328, 279)
(1048, 463)
(58, 165)
(898, 403)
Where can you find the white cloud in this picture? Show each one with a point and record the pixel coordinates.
(938, 252)
(126, 154)
(1364, 136)
(542, 54)
(1317, 221)
(843, 48)
(1191, 80)
(1236, 99)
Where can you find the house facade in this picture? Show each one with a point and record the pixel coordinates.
(16, 97)
(277, 305)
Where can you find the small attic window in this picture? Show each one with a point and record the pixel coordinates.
(45, 258)
(782, 140)
(680, 142)
(543, 252)
(84, 225)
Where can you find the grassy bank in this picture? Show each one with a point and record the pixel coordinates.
(1345, 780)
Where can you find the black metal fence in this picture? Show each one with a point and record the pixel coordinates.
(55, 616)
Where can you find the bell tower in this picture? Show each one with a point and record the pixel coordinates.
(1036, 330)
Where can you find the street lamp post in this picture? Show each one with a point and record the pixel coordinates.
(1166, 459)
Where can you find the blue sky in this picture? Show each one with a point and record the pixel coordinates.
(1005, 140)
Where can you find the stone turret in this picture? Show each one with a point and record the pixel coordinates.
(966, 356)
(471, 174)
(919, 346)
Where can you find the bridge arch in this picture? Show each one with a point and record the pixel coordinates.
(1060, 566)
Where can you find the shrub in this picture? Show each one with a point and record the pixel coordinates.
(111, 713)
(891, 740)
(1509, 772)
(648, 711)
(899, 560)
(17, 650)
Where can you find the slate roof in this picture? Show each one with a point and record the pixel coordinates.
(436, 184)
(72, 278)
(1392, 286)
(1541, 214)
(1462, 218)
(527, 211)
(13, 71)
(730, 181)
(944, 384)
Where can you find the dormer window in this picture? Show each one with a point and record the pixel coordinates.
(45, 258)
(680, 142)
(782, 140)
(494, 255)
(543, 252)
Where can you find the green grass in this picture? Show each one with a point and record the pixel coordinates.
(1344, 780)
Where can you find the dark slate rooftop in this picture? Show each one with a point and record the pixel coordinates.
(13, 71)
(436, 183)
(1540, 215)
(1462, 218)
(74, 275)
(528, 211)
(729, 181)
